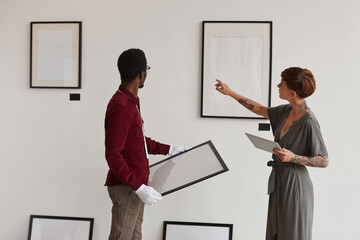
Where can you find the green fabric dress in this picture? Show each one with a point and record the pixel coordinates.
(291, 195)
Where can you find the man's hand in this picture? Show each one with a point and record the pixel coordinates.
(176, 149)
(148, 195)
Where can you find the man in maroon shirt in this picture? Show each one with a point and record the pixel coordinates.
(127, 149)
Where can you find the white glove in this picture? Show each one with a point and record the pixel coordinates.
(176, 149)
(148, 195)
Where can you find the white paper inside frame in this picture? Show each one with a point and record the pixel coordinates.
(239, 55)
(193, 232)
(55, 54)
(59, 229)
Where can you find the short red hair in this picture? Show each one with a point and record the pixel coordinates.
(300, 80)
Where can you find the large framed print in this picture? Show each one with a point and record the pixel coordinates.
(43, 227)
(173, 230)
(55, 54)
(187, 168)
(239, 54)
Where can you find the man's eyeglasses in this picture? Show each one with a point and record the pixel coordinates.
(147, 69)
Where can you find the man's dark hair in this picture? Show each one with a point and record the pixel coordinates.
(130, 63)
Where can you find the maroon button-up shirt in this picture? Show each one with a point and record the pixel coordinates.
(124, 142)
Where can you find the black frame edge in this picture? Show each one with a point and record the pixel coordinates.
(80, 53)
(91, 220)
(229, 225)
(202, 66)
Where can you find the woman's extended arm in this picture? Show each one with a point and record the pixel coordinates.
(286, 155)
(251, 105)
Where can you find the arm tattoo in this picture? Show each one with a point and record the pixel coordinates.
(317, 161)
(245, 104)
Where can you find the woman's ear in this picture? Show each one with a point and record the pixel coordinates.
(293, 94)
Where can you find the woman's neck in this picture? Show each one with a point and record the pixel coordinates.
(299, 107)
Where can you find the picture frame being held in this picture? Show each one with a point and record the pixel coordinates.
(200, 163)
(240, 54)
(55, 54)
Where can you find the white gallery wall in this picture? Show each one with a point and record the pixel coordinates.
(52, 149)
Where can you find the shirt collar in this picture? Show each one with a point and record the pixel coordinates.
(131, 96)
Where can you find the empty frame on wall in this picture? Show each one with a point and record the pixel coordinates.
(187, 168)
(197, 231)
(60, 228)
(239, 54)
(55, 55)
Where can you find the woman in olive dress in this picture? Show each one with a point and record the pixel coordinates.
(295, 128)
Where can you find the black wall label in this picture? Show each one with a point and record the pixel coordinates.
(264, 126)
(74, 96)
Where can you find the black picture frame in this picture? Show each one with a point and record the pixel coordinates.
(54, 227)
(55, 54)
(175, 230)
(200, 163)
(246, 45)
